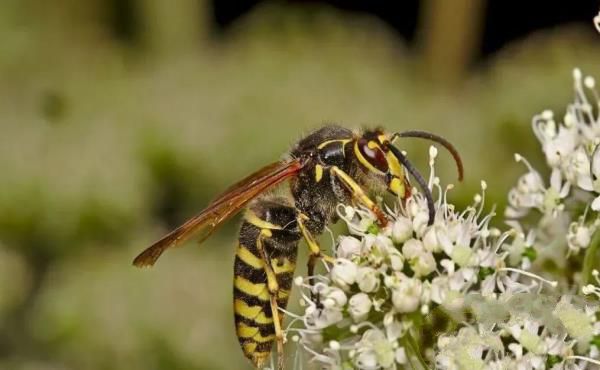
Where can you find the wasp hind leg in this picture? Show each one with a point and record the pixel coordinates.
(274, 290)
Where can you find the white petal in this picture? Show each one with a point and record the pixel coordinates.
(596, 204)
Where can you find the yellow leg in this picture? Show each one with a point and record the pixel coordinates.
(313, 246)
(273, 287)
(359, 194)
(278, 332)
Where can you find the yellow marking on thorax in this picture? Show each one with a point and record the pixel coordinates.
(394, 165)
(327, 142)
(245, 331)
(249, 258)
(397, 186)
(259, 291)
(252, 218)
(363, 160)
(318, 172)
(282, 265)
(254, 313)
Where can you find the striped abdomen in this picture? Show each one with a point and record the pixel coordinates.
(263, 226)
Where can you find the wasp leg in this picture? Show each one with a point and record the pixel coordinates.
(273, 287)
(359, 194)
(313, 246)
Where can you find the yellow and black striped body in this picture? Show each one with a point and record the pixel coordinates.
(270, 225)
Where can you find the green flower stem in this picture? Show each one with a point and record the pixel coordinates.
(591, 260)
(411, 344)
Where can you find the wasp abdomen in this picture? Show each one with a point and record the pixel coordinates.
(269, 226)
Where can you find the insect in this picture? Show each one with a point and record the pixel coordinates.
(331, 165)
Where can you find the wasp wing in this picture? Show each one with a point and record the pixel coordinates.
(222, 208)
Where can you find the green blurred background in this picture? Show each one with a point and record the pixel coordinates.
(119, 119)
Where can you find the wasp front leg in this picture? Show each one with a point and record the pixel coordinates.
(359, 194)
(313, 246)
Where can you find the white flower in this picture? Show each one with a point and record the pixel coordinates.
(316, 318)
(555, 193)
(401, 356)
(401, 230)
(557, 143)
(343, 273)
(578, 324)
(579, 235)
(332, 296)
(348, 247)
(396, 260)
(438, 289)
(526, 334)
(393, 328)
(577, 169)
(420, 260)
(527, 194)
(430, 241)
(367, 279)
(531, 192)
(377, 248)
(359, 306)
(374, 351)
(406, 295)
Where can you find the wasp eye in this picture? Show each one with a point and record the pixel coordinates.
(372, 153)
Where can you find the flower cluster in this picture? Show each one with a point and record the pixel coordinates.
(524, 331)
(458, 293)
(571, 151)
(365, 312)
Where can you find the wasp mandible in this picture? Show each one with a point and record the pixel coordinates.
(331, 165)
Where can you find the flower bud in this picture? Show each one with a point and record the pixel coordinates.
(343, 273)
(401, 230)
(396, 260)
(578, 324)
(421, 222)
(462, 255)
(401, 357)
(348, 247)
(367, 279)
(407, 295)
(359, 307)
(337, 296)
(420, 260)
(430, 241)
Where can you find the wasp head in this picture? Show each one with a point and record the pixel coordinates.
(376, 153)
(373, 153)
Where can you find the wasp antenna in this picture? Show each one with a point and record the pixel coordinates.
(413, 171)
(440, 140)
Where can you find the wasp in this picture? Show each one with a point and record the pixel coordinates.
(331, 165)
